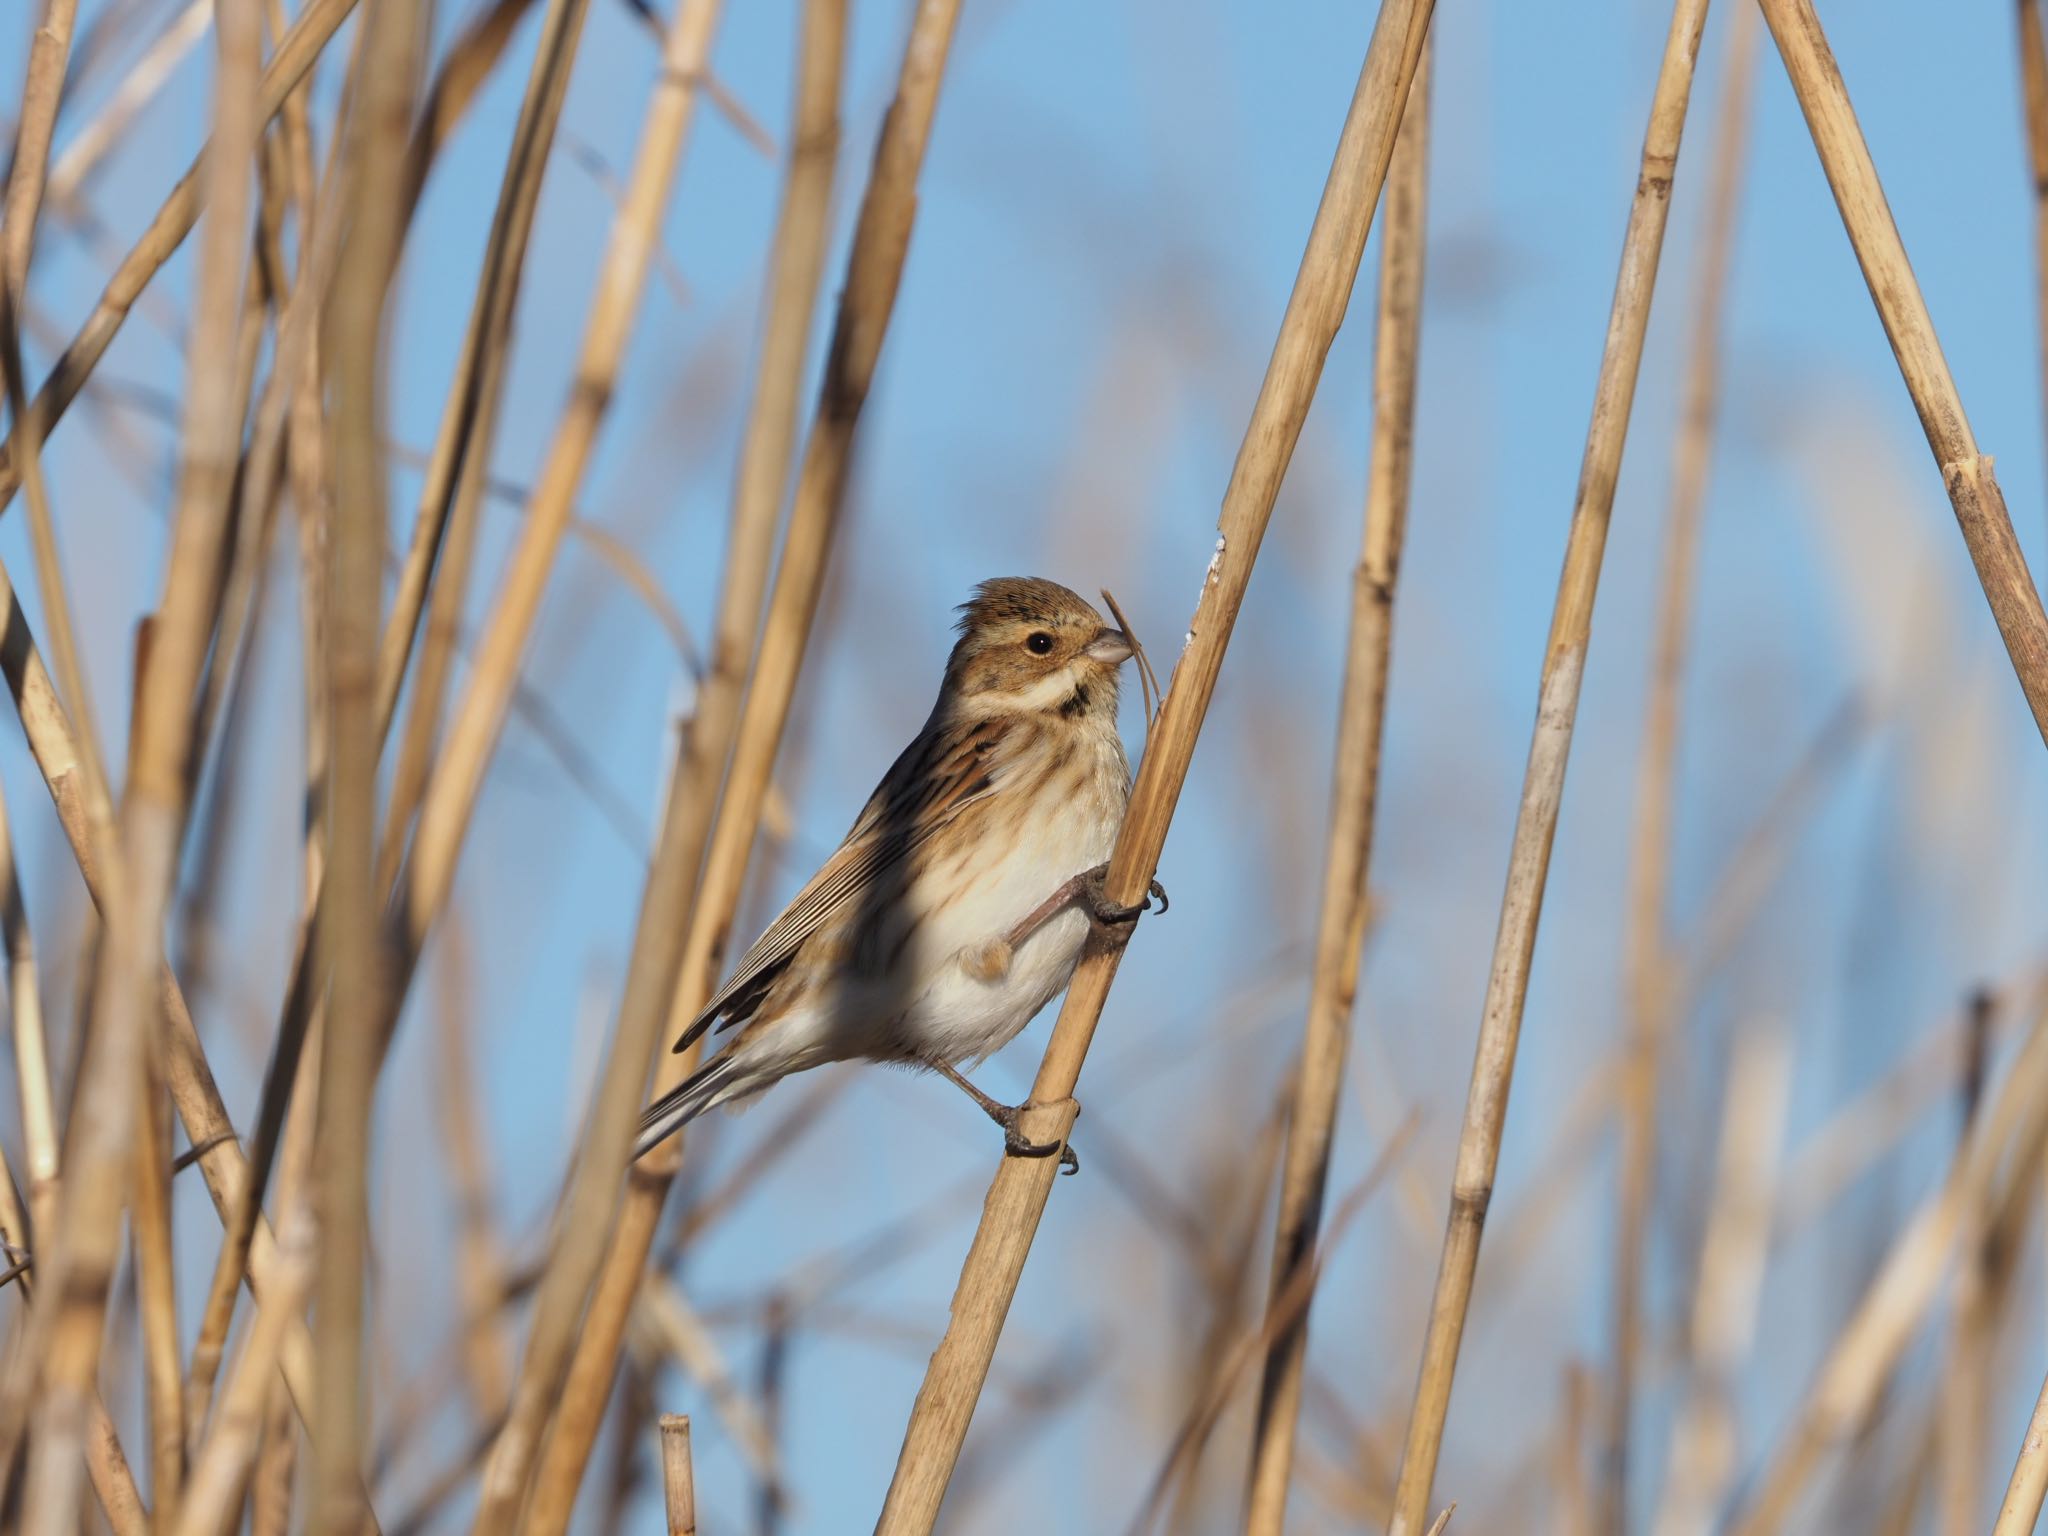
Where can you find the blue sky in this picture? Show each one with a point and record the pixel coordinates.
(1111, 213)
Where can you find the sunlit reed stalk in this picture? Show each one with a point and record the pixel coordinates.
(119, 1078)
(1648, 991)
(2033, 51)
(1543, 782)
(1965, 473)
(1862, 1357)
(295, 54)
(2021, 1508)
(382, 82)
(1016, 1199)
(1354, 799)
(678, 1480)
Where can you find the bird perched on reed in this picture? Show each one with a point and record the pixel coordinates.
(960, 902)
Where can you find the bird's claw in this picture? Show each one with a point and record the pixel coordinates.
(1110, 914)
(1015, 1145)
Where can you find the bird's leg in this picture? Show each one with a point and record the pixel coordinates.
(1084, 888)
(1005, 1115)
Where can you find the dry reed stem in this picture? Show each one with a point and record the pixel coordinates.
(295, 55)
(382, 81)
(1016, 1199)
(678, 1480)
(222, 1468)
(2021, 1507)
(1543, 783)
(1648, 969)
(589, 1205)
(121, 1050)
(1864, 1353)
(762, 479)
(1965, 473)
(1340, 935)
(2033, 51)
(1733, 1253)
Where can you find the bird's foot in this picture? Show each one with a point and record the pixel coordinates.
(1110, 914)
(1016, 1145)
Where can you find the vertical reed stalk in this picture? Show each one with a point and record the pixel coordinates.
(2033, 50)
(1649, 995)
(118, 1086)
(1543, 782)
(678, 1479)
(383, 83)
(1966, 473)
(1340, 934)
(1016, 1198)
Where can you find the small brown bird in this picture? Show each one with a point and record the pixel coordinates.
(959, 903)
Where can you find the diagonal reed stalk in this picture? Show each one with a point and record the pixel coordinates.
(1965, 473)
(1564, 662)
(1016, 1198)
(1649, 996)
(2021, 1507)
(1340, 933)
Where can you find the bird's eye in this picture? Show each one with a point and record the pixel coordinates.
(1038, 642)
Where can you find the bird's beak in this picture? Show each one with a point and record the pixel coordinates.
(1112, 648)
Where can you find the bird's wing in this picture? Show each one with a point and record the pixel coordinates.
(945, 770)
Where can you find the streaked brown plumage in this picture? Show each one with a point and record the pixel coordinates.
(958, 904)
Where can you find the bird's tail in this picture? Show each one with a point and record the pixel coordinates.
(679, 1106)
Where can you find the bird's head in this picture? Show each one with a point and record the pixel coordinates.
(1027, 644)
